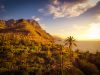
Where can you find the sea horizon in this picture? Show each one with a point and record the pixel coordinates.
(91, 46)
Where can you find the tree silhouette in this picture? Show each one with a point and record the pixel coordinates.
(70, 42)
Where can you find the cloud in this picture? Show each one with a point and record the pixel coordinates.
(97, 15)
(43, 26)
(60, 9)
(87, 32)
(81, 28)
(41, 10)
(94, 30)
(2, 8)
(36, 18)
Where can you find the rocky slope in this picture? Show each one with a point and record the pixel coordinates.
(29, 28)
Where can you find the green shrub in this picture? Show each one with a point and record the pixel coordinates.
(75, 71)
(88, 68)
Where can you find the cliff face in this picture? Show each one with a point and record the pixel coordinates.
(29, 28)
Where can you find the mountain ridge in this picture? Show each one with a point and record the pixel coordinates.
(29, 28)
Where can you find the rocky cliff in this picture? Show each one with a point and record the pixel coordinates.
(28, 28)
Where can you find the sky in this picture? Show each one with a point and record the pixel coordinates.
(62, 18)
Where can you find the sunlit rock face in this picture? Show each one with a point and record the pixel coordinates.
(29, 28)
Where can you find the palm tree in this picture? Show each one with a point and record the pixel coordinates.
(70, 42)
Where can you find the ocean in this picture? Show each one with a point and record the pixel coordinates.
(91, 46)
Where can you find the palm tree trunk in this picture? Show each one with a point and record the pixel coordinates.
(70, 51)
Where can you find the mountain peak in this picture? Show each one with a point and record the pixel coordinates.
(29, 28)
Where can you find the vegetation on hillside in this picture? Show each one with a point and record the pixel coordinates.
(22, 54)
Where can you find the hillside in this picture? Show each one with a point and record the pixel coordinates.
(26, 49)
(27, 28)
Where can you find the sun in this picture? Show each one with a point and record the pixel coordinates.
(93, 35)
(94, 31)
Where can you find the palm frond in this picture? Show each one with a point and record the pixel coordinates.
(75, 44)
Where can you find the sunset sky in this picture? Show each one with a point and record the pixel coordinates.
(63, 18)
